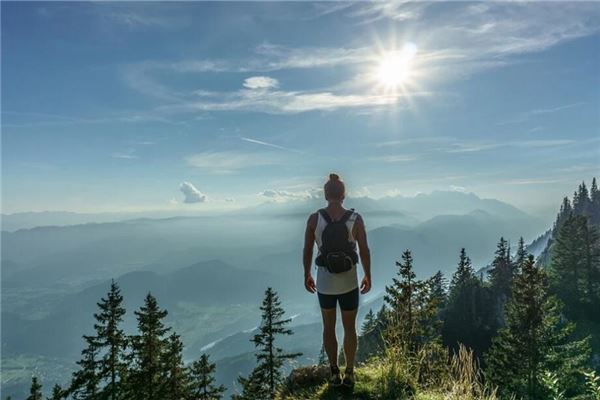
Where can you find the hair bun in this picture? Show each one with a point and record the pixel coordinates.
(334, 177)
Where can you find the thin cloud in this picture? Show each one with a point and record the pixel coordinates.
(275, 146)
(281, 196)
(227, 162)
(260, 82)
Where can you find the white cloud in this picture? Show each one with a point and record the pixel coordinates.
(360, 192)
(395, 158)
(282, 196)
(282, 102)
(126, 155)
(191, 194)
(267, 144)
(462, 40)
(226, 162)
(260, 82)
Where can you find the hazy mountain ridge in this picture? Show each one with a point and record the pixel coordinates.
(192, 265)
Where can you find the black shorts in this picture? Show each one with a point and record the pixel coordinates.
(348, 301)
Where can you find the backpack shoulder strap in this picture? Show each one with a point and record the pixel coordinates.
(325, 216)
(349, 213)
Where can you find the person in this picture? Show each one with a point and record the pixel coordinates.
(337, 276)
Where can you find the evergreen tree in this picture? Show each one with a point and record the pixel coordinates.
(581, 200)
(595, 203)
(437, 288)
(501, 277)
(467, 317)
(146, 378)
(534, 341)
(412, 309)
(370, 343)
(267, 375)
(35, 391)
(521, 254)
(369, 322)
(86, 380)
(57, 393)
(575, 266)
(202, 380)
(176, 379)
(112, 340)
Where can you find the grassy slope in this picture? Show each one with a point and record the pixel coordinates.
(367, 388)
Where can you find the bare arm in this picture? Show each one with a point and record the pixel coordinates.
(360, 235)
(307, 254)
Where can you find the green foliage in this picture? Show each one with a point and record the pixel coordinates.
(535, 339)
(552, 384)
(501, 277)
(202, 380)
(176, 378)
(57, 393)
(111, 338)
(86, 380)
(575, 267)
(592, 382)
(263, 381)
(146, 377)
(412, 309)
(35, 391)
(468, 319)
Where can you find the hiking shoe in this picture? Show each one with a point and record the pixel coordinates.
(348, 380)
(335, 379)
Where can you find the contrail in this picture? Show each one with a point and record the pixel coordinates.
(275, 146)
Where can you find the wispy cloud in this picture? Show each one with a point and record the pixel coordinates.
(462, 40)
(126, 155)
(227, 162)
(281, 196)
(274, 146)
(260, 82)
(395, 158)
(527, 115)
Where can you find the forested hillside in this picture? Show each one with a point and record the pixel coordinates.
(528, 329)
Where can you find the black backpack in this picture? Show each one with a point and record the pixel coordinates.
(337, 253)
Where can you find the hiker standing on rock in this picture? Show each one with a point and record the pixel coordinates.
(337, 232)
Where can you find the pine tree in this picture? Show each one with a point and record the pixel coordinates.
(86, 380)
(501, 277)
(535, 340)
(267, 375)
(57, 393)
(595, 203)
(401, 297)
(521, 254)
(467, 319)
(111, 338)
(437, 288)
(371, 343)
(369, 322)
(412, 309)
(35, 391)
(464, 271)
(176, 379)
(146, 378)
(202, 380)
(575, 266)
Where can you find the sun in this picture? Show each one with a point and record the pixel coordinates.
(395, 67)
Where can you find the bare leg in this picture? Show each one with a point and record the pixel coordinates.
(329, 338)
(350, 340)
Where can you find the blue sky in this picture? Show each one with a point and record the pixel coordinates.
(208, 106)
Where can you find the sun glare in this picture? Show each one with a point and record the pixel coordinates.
(395, 67)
